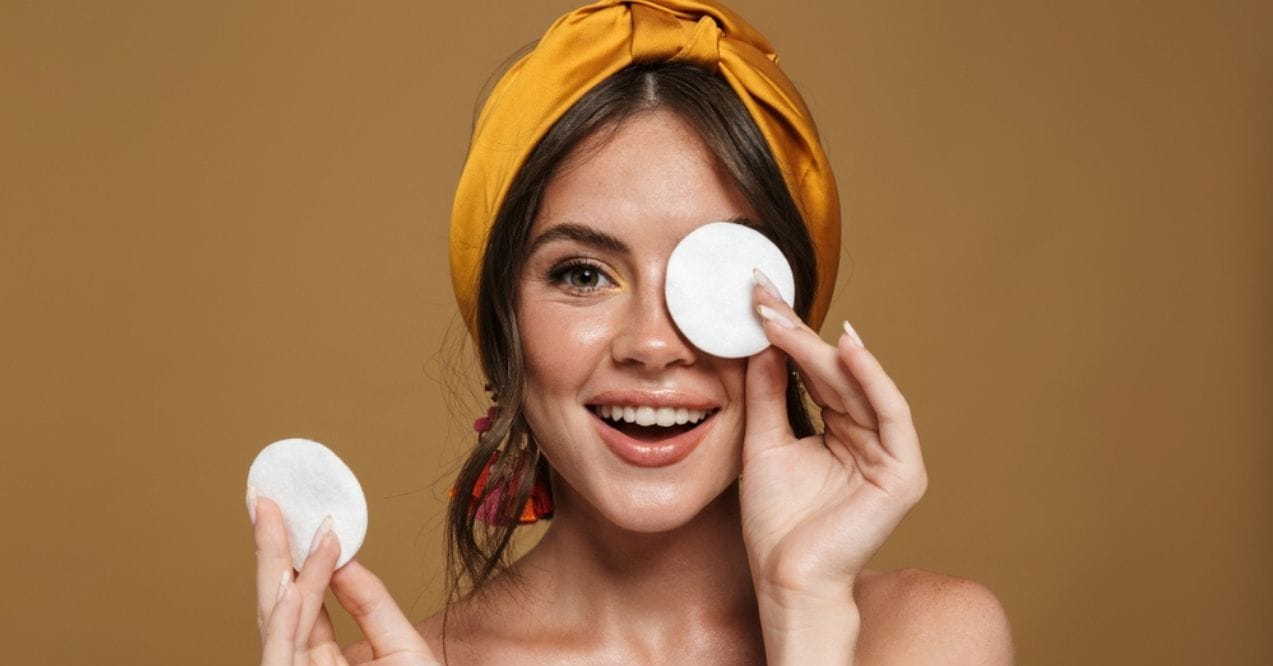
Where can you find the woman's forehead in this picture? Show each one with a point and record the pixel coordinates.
(651, 169)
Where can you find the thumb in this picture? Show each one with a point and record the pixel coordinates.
(766, 400)
(365, 597)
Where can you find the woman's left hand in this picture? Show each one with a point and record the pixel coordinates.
(815, 510)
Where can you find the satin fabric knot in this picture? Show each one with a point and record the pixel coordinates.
(659, 36)
(582, 49)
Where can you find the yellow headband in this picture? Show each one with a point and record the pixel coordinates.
(588, 45)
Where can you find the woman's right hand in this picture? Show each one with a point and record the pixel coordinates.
(295, 627)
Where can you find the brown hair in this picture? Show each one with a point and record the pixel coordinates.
(476, 552)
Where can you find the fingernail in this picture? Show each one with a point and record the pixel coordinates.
(769, 314)
(853, 335)
(282, 584)
(252, 503)
(322, 532)
(763, 281)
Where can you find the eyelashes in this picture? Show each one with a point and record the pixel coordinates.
(580, 276)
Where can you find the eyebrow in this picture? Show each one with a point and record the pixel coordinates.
(581, 234)
(601, 240)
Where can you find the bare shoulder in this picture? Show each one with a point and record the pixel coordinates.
(909, 616)
(431, 629)
(914, 616)
(471, 629)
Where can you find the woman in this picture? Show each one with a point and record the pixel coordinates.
(739, 534)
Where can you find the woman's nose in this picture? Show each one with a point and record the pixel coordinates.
(647, 337)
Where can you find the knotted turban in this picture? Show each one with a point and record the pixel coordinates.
(583, 48)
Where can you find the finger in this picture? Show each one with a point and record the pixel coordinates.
(844, 398)
(818, 392)
(818, 361)
(313, 580)
(896, 427)
(765, 391)
(273, 556)
(783, 328)
(365, 597)
(277, 644)
(852, 443)
(323, 631)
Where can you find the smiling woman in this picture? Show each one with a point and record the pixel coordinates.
(696, 511)
(649, 183)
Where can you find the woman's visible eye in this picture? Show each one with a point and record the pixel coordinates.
(580, 276)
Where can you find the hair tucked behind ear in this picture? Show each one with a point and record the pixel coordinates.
(477, 551)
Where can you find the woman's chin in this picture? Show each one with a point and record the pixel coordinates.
(652, 521)
(652, 512)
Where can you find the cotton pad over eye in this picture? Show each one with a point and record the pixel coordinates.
(709, 286)
(309, 483)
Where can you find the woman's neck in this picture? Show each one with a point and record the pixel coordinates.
(655, 584)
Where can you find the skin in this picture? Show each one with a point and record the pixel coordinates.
(687, 559)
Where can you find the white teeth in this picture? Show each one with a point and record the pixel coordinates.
(648, 416)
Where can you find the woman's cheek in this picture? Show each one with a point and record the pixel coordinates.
(589, 332)
(565, 341)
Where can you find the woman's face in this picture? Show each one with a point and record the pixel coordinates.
(598, 339)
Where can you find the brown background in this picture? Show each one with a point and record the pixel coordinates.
(224, 223)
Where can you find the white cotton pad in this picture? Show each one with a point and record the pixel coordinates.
(309, 483)
(709, 287)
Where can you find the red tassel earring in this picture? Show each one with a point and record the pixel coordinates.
(539, 505)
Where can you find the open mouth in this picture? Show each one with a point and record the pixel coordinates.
(651, 424)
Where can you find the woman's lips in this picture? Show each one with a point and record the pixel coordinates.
(659, 452)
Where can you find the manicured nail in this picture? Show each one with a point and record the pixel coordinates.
(853, 335)
(322, 532)
(763, 281)
(282, 585)
(252, 503)
(769, 314)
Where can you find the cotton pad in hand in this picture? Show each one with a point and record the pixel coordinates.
(709, 286)
(308, 483)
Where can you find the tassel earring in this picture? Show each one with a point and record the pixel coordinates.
(539, 505)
